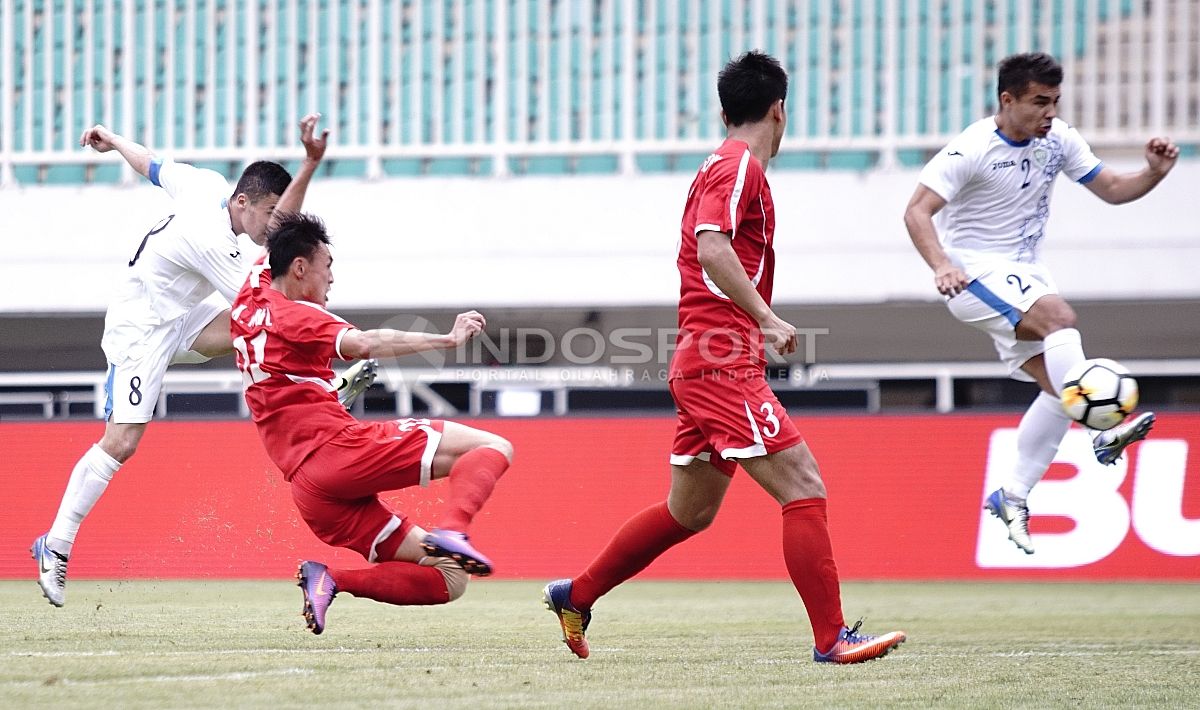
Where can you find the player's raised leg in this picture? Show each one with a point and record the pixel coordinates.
(1109, 445)
(213, 338)
(473, 460)
(355, 380)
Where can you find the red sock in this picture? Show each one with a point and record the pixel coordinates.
(403, 583)
(640, 540)
(809, 558)
(472, 478)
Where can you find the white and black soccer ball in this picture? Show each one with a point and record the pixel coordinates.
(1099, 393)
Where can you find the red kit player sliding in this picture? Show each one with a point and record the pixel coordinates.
(285, 341)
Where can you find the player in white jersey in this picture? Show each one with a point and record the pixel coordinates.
(172, 306)
(987, 195)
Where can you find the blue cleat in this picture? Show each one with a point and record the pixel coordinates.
(557, 597)
(319, 591)
(853, 647)
(455, 545)
(1108, 445)
(52, 571)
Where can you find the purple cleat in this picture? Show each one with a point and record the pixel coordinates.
(319, 591)
(455, 545)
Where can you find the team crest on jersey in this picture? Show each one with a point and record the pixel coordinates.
(1049, 156)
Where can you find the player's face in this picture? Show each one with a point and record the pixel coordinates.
(317, 277)
(1030, 114)
(256, 216)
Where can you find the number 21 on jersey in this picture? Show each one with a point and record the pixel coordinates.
(250, 358)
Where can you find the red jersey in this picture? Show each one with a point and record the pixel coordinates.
(730, 194)
(284, 349)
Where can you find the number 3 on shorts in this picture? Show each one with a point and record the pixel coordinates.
(772, 421)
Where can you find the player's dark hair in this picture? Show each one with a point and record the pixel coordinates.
(749, 85)
(298, 235)
(1017, 72)
(262, 178)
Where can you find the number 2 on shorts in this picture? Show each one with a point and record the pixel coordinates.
(1018, 283)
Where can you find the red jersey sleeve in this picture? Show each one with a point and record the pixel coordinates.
(319, 331)
(726, 191)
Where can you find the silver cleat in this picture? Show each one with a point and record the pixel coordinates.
(1109, 444)
(356, 380)
(52, 571)
(1014, 514)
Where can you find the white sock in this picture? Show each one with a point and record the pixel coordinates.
(87, 483)
(1038, 435)
(1064, 350)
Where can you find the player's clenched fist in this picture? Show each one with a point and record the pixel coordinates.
(1161, 154)
(466, 326)
(98, 137)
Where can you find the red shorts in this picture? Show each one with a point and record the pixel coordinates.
(732, 414)
(335, 487)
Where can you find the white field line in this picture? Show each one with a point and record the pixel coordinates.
(244, 675)
(904, 654)
(212, 652)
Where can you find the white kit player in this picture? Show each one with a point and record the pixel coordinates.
(172, 306)
(990, 189)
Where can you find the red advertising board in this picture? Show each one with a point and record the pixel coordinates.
(201, 499)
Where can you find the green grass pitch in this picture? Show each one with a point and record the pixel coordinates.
(218, 644)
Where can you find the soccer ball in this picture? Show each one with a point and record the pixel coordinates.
(1099, 393)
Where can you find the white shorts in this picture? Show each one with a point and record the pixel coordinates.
(135, 373)
(995, 302)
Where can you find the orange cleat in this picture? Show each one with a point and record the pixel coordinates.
(557, 596)
(853, 647)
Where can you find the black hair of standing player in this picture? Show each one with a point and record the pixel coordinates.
(749, 85)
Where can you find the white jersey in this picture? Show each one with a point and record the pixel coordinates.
(182, 260)
(997, 192)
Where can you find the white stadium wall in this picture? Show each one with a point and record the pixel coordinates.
(602, 241)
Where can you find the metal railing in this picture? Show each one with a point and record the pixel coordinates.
(54, 392)
(487, 86)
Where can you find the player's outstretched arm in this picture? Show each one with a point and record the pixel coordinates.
(292, 198)
(385, 342)
(918, 218)
(1118, 188)
(103, 140)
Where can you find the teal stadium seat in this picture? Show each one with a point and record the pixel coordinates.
(43, 99)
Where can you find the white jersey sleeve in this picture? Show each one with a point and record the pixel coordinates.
(1079, 163)
(952, 168)
(183, 181)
